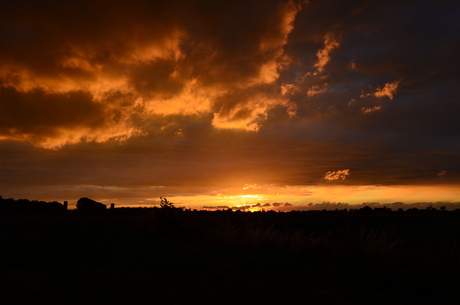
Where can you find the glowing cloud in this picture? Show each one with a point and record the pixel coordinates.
(287, 88)
(324, 54)
(248, 112)
(337, 175)
(252, 187)
(369, 110)
(388, 90)
(129, 74)
(316, 89)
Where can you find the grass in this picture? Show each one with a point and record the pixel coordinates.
(182, 257)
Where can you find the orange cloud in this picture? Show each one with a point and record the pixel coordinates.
(373, 109)
(323, 55)
(316, 89)
(337, 175)
(388, 90)
(173, 70)
(287, 88)
(51, 120)
(250, 114)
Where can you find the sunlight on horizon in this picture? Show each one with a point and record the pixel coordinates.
(277, 197)
(297, 197)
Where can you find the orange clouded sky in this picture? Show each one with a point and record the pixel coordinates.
(307, 102)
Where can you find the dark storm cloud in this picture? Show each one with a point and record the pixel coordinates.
(397, 136)
(156, 78)
(29, 113)
(174, 57)
(40, 34)
(409, 41)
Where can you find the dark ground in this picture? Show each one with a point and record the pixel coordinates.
(170, 256)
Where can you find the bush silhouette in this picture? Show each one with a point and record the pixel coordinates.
(86, 204)
(165, 204)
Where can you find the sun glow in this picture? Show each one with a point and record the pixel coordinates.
(242, 199)
(286, 198)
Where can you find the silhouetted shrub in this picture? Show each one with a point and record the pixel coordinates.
(86, 204)
(165, 204)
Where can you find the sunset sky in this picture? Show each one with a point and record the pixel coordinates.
(224, 103)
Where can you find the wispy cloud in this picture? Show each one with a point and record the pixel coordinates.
(388, 90)
(316, 89)
(372, 109)
(324, 55)
(337, 175)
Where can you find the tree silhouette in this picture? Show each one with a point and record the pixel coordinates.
(165, 204)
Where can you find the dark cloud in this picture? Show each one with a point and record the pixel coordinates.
(168, 58)
(278, 204)
(41, 34)
(217, 207)
(38, 112)
(156, 78)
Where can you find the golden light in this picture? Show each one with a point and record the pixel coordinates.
(302, 197)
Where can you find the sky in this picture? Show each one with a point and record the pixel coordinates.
(225, 103)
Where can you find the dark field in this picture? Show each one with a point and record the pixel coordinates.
(171, 256)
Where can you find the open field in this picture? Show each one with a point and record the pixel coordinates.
(171, 256)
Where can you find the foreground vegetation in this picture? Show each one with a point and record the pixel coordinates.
(173, 256)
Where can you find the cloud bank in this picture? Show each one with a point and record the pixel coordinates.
(123, 66)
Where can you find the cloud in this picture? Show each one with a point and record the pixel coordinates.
(247, 109)
(279, 204)
(316, 89)
(251, 206)
(442, 173)
(51, 119)
(372, 109)
(160, 59)
(337, 175)
(216, 207)
(287, 88)
(388, 90)
(324, 54)
(252, 187)
(351, 102)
